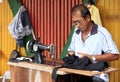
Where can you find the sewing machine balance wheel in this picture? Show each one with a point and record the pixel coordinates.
(29, 46)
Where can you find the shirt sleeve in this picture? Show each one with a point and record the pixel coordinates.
(108, 45)
(72, 44)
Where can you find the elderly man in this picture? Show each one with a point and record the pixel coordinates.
(90, 39)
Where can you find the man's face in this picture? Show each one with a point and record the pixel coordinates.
(79, 21)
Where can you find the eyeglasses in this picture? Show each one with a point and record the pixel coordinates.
(77, 22)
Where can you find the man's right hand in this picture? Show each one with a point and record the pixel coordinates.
(70, 53)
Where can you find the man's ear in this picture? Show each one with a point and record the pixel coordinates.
(88, 18)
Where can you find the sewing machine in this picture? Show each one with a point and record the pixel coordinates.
(37, 48)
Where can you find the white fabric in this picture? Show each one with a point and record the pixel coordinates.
(16, 28)
(6, 76)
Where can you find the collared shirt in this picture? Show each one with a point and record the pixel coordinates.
(97, 41)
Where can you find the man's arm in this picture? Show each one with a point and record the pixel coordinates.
(102, 57)
(71, 52)
(106, 57)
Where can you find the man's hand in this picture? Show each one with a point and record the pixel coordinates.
(81, 54)
(84, 54)
(70, 53)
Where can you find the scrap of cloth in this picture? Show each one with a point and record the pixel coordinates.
(20, 26)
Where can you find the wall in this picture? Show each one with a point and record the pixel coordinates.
(6, 41)
(109, 10)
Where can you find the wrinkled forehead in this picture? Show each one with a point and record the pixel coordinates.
(76, 12)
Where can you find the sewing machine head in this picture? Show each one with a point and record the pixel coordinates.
(36, 47)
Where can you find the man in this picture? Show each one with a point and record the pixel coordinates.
(90, 39)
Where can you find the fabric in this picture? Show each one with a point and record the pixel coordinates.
(96, 79)
(103, 76)
(14, 54)
(84, 63)
(14, 5)
(95, 15)
(20, 25)
(20, 42)
(81, 78)
(54, 75)
(74, 62)
(85, 1)
(65, 49)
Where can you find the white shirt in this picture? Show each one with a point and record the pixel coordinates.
(98, 40)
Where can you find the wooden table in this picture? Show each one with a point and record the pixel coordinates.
(31, 72)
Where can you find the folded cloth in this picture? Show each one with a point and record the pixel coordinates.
(84, 63)
(74, 62)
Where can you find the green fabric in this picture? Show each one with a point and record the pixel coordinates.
(85, 1)
(15, 5)
(65, 49)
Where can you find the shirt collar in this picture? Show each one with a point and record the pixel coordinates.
(93, 31)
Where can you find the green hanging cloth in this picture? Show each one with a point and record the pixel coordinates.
(14, 5)
(85, 1)
(65, 49)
